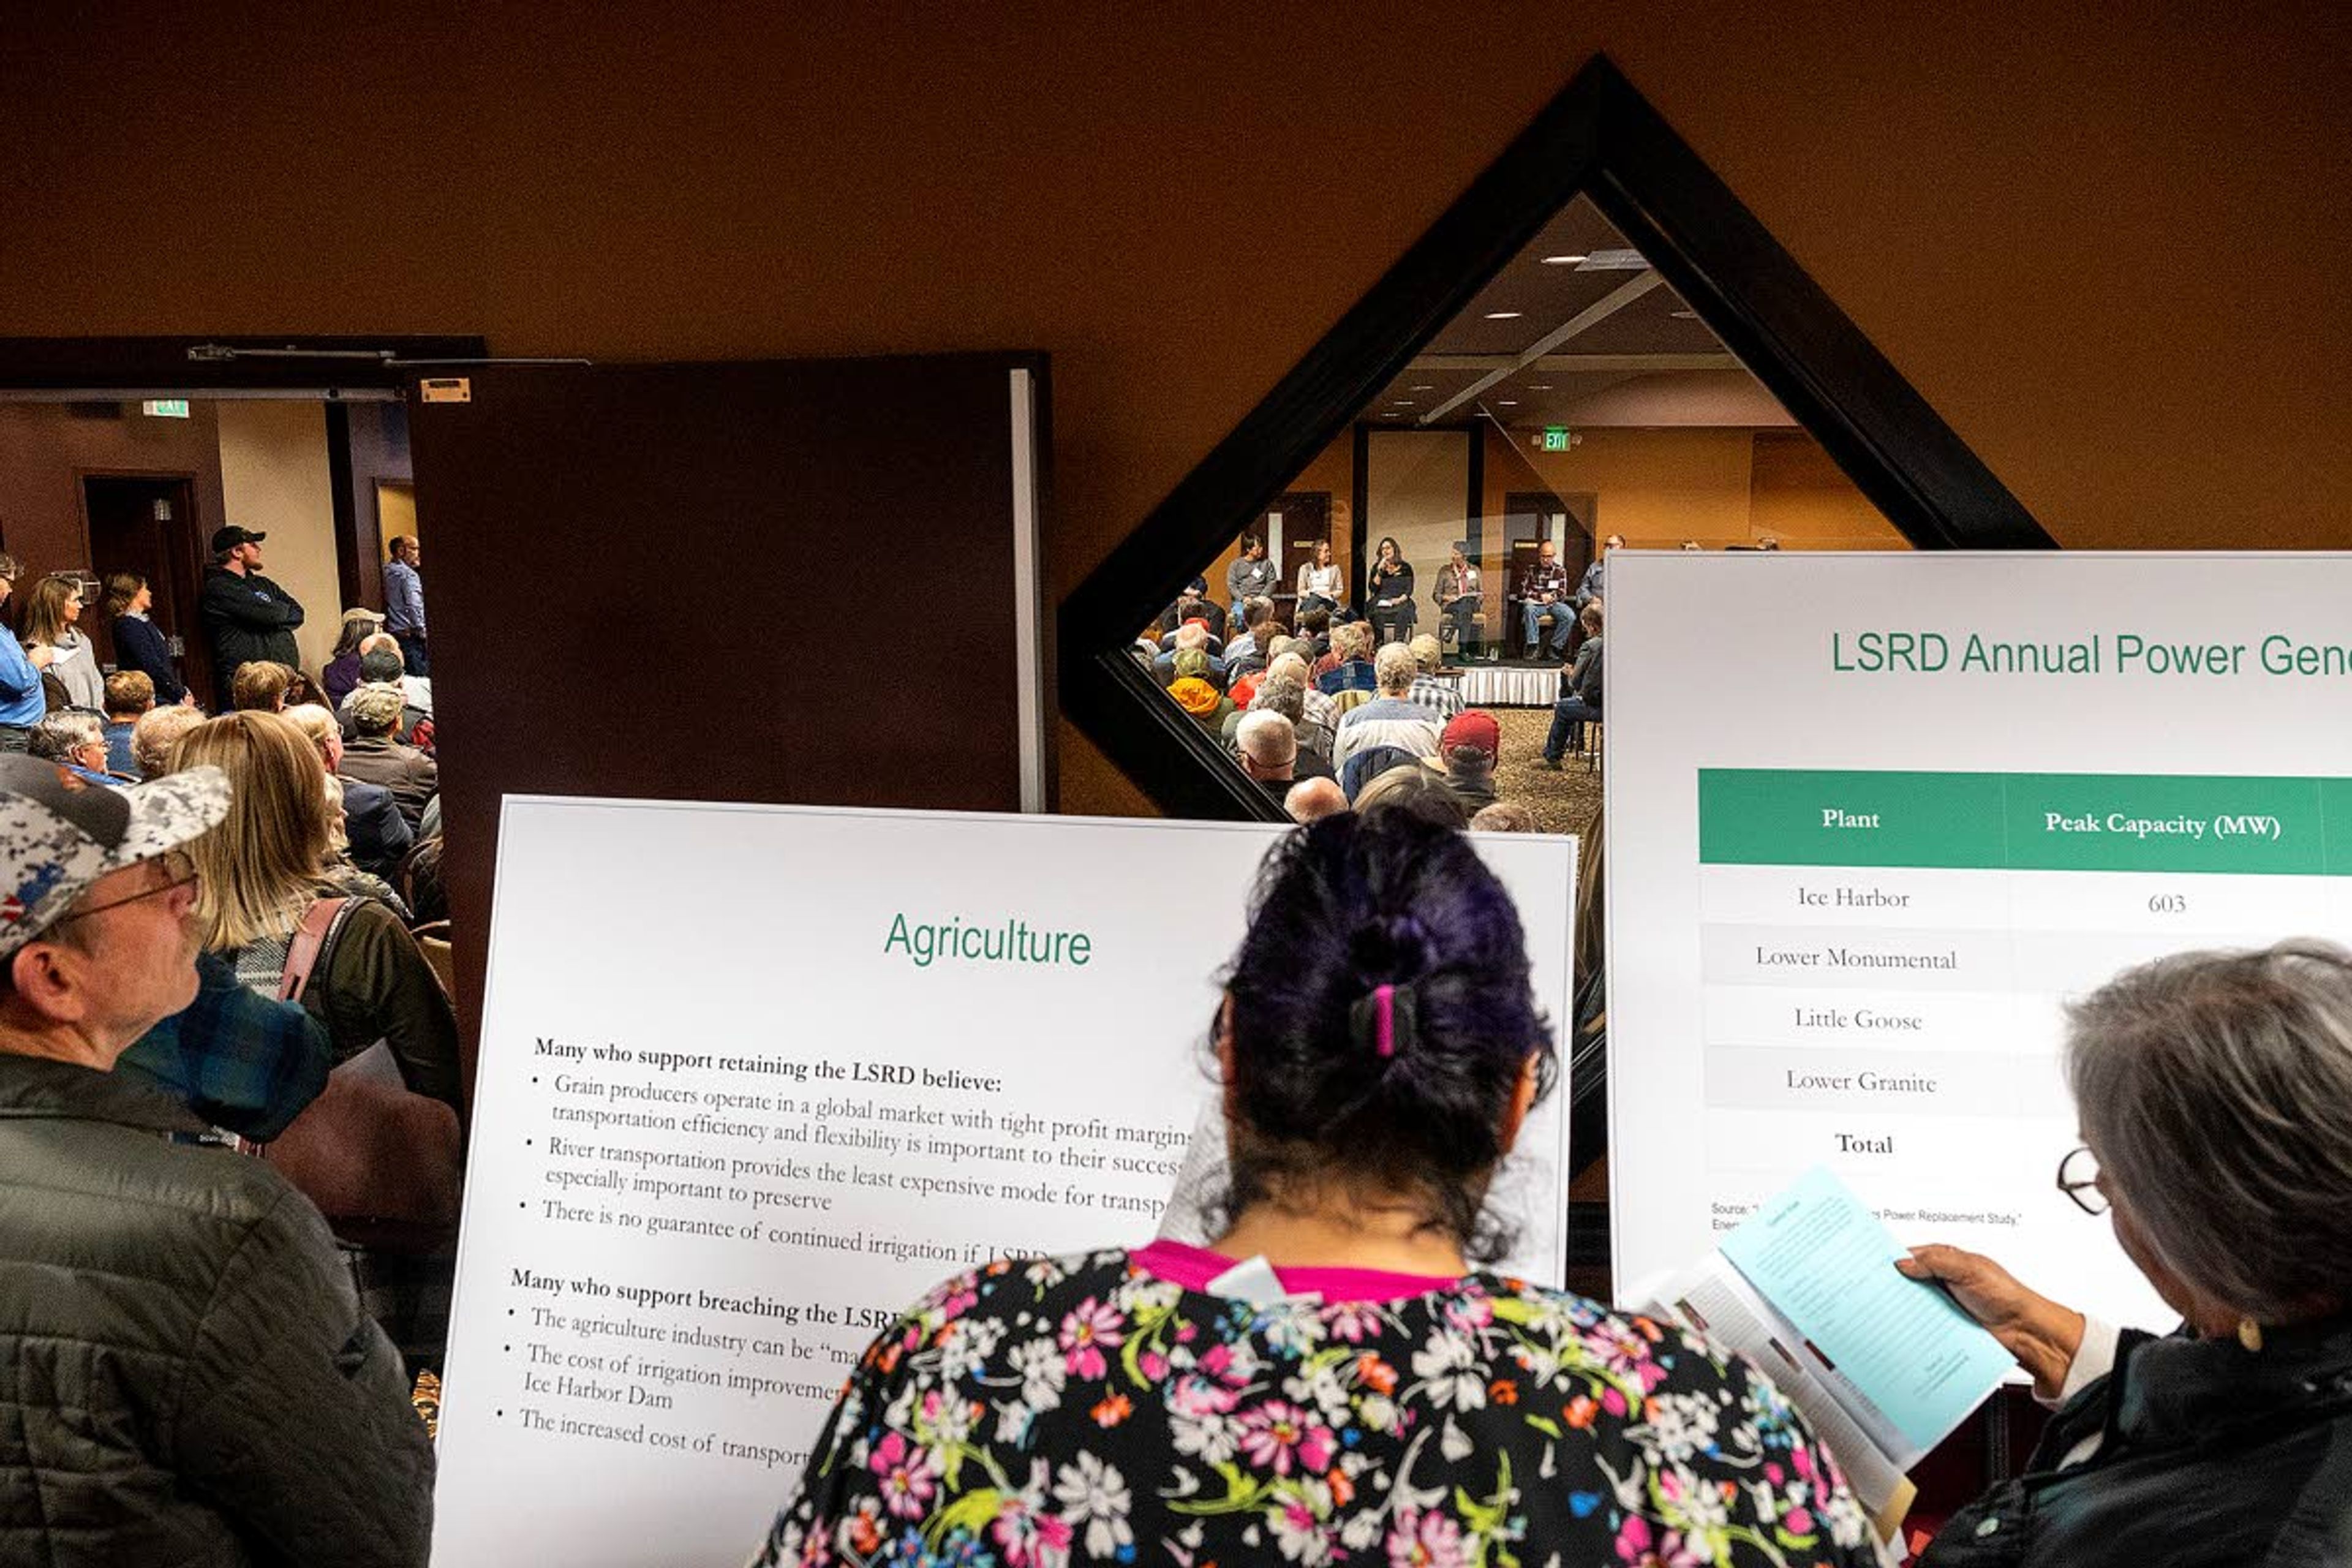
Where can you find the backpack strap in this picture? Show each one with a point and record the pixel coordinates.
(310, 940)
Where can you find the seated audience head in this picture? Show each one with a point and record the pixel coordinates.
(2214, 1091)
(1287, 665)
(1382, 1043)
(1356, 639)
(1415, 792)
(380, 665)
(1192, 638)
(71, 737)
(359, 624)
(1267, 745)
(1470, 745)
(375, 711)
(1193, 664)
(1315, 623)
(1504, 817)
(157, 732)
(1426, 653)
(259, 687)
(1369, 763)
(104, 947)
(261, 867)
(1394, 669)
(1312, 799)
(1281, 694)
(1591, 618)
(129, 693)
(319, 726)
(1256, 614)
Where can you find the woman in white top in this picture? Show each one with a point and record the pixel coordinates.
(1319, 581)
(55, 643)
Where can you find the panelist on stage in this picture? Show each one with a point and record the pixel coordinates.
(1320, 586)
(1544, 592)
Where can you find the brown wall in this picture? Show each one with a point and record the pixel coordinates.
(2105, 240)
(44, 452)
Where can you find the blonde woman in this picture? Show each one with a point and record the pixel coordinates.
(57, 645)
(367, 833)
(262, 870)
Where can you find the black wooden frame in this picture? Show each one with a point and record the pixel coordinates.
(1599, 138)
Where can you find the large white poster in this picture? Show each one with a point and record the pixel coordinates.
(1874, 819)
(753, 1078)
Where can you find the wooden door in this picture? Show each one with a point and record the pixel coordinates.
(148, 524)
(730, 581)
(1304, 522)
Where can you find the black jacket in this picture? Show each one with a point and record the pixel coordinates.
(379, 835)
(246, 618)
(185, 1374)
(139, 646)
(2208, 1454)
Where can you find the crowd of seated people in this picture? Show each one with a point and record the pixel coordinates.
(1315, 730)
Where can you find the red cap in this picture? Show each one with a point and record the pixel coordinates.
(1475, 729)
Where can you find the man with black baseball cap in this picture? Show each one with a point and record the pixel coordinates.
(187, 1374)
(246, 616)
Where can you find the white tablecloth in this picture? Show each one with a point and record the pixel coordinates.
(1511, 685)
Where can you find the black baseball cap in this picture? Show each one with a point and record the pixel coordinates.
(229, 538)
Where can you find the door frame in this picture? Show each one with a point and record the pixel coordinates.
(195, 658)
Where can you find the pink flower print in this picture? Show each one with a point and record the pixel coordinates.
(1091, 1328)
(907, 1483)
(1612, 1402)
(1196, 1397)
(1352, 1320)
(1637, 1547)
(1030, 1537)
(1801, 1460)
(1154, 1364)
(959, 1301)
(1220, 1364)
(1429, 1540)
(1276, 1434)
(1774, 1473)
(1797, 1521)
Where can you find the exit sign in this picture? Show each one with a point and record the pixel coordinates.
(166, 408)
(1555, 438)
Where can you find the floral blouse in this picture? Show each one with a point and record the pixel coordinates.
(1086, 1410)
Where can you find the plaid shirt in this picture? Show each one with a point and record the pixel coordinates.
(1442, 698)
(237, 1058)
(1545, 577)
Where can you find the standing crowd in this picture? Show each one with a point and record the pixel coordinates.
(228, 1052)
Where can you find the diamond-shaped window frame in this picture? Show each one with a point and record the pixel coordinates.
(1599, 138)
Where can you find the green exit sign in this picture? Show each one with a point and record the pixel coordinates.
(166, 408)
(1555, 438)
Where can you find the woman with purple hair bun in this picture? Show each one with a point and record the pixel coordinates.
(1330, 1379)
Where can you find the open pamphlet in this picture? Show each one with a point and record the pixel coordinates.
(1882, 1367)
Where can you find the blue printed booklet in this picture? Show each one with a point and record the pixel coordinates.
(1883, 1367)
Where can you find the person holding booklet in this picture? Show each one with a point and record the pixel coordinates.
(2215, 1092)
(1331, 1378)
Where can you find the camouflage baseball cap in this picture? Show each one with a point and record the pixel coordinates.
(59, 834)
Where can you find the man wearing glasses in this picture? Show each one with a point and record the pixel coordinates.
(187, 1373)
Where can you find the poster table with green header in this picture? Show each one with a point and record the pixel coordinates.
(755, 1079)
(1851, 893)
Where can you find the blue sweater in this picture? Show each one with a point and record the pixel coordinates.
(20, 685)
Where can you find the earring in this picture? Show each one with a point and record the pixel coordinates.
(2249, 1334)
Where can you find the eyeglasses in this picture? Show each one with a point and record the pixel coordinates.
(177, 865)
(2078, 1178)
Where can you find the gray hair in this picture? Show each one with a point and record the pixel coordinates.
(153, 735)
(1267, 738)
(1394, 667)
(2216, 1089)
(1280, 694)
(1189, 636)
(54, 737)
(1287, 665)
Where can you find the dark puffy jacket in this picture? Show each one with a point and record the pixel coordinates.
(2208, 1454)
(185, 1375)
(246, 617)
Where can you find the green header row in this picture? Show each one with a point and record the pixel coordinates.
(2036, 822)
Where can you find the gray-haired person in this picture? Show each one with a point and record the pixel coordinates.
(2214, 1092)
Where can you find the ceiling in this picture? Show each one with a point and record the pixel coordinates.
(1612, 345)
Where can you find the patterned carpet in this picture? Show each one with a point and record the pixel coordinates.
(1563, 802)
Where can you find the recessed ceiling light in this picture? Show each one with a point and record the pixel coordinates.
(1391, 415)
(1400, 403)
(1563, 260)
(1423, 386)
(1538, 386)
(1502, 315)
(1684, 315)
(1507, 403)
